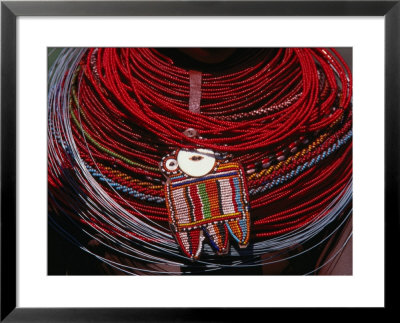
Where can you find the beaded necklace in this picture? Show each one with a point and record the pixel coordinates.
(275, 123)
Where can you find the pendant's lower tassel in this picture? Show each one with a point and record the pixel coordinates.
(206, 198)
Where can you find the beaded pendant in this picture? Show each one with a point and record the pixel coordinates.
(206, 197)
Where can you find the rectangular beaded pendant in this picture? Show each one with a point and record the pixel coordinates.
(212, 206)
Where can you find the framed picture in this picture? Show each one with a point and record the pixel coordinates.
(144, 186)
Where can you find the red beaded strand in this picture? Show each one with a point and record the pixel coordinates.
(133, 102)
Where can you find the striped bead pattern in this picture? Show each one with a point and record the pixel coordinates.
(302, 168)
(216, 204)
(123, 188)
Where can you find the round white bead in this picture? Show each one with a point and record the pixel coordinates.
(197, 162)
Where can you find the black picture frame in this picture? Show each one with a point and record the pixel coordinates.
(10, 10)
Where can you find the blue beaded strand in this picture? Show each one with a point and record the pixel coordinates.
(301, 168)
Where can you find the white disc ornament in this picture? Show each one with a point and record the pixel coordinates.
(196, 163)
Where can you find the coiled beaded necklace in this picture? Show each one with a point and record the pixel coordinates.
(173, 161)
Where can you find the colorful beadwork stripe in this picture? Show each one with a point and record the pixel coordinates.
(176, 182)
(122, 188)
(301, 168)
(215, 204)
(207, 199)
